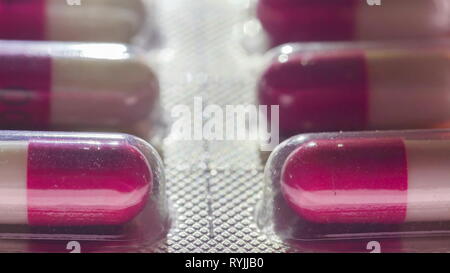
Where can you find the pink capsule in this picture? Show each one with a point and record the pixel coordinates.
(93, 20)
(338, 20)
(397, 87)
(72, 180)
(370, 179)
(74, 86)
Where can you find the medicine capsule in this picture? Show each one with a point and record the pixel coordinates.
(359, 89)
(74, 86)
(382, 179)
(93, 20)
(57, 179)
(338, 20)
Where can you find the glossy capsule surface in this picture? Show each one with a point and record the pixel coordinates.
(74, 86)
(377, 178)
(349, 20)
(380, 87)
(53, 179)
(92, 20)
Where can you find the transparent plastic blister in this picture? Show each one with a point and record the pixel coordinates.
(100, 192)
(77, 86)
(327, 188)
(215, 185)
(270, 23)
(327, 87)
(130, 21)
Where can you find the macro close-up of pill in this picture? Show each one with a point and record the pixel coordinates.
(370, 179)
(233, 126)
(74, 86)
(358, 89)
(71, 180)
(93, 20)
(347, 20)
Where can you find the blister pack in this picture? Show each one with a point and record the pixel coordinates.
(329, 190)
(103, 189)
(188, 65)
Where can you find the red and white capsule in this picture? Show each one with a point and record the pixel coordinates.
(381, 87)
(370, 178)
(74, 86)
(71, 20)
(72, 180)
(348, 20)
